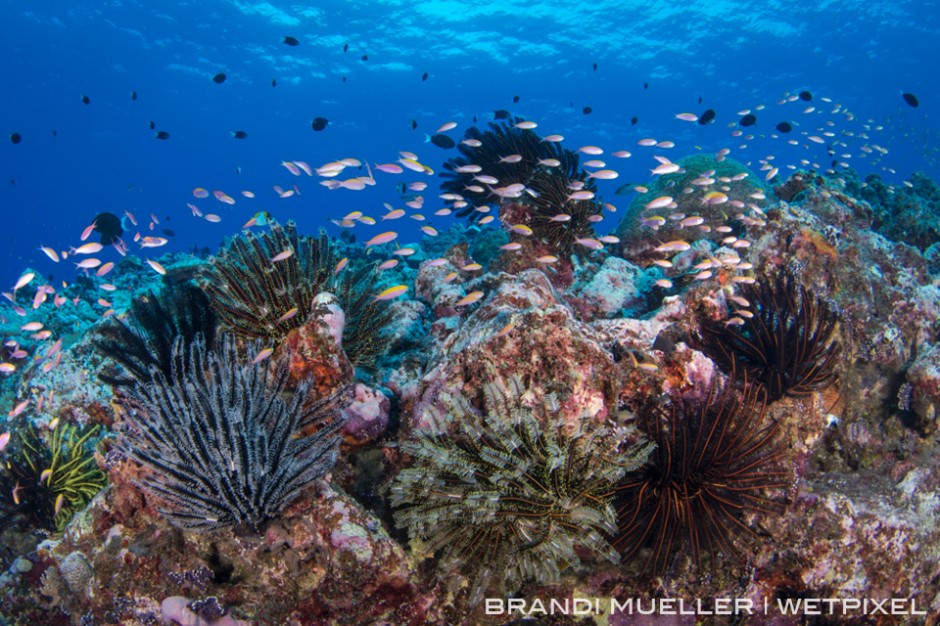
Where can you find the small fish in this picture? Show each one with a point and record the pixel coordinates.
(911, 100)
(281, 256)
(547, 258)
(7, 368)
(382, 238)
(581, 195)
(687, 117)
(159, 269)
(319, 123)
(261, 356)
(212, 217)
(749, 119)
(4, 440)
(387, 265)
(665, 168)
(511, 246)
(673, 246)
(591, 244)
(707, 117)
(339, 266)
(290, 314)
(392, 292)
(291, 41)
(660, 202)
(389, 168)
(239, 134)
(162, 135)
(524, 125)
(49, 252)
(647, 142)
(219, 78)
(469, 299)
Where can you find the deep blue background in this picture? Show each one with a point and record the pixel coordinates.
(734, 55)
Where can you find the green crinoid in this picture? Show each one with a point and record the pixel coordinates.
(507, 497)
(50, 480)
(257, 297)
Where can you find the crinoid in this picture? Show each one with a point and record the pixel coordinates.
(716, 462)
(146, 339)
(507, 498)
(789, 345)
(221, 441)
(367, 318)
(500, 141)
(50, 476)
(258, 296)
(557, 220)
(549, 173)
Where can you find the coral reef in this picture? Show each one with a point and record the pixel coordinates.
(525, 385)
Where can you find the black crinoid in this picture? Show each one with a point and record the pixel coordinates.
(553, 217)
(222, 441)
(789, 345)
(717, 463)
(255, 296)
(507, 497)
(146, 338)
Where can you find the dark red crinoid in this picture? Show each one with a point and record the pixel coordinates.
(716, 462)
(789, 346)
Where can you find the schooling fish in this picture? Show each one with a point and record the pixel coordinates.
(239, 134)
(319, 123)
(291, 41)
(219, 78)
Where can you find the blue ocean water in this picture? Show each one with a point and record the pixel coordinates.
(360, 65)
